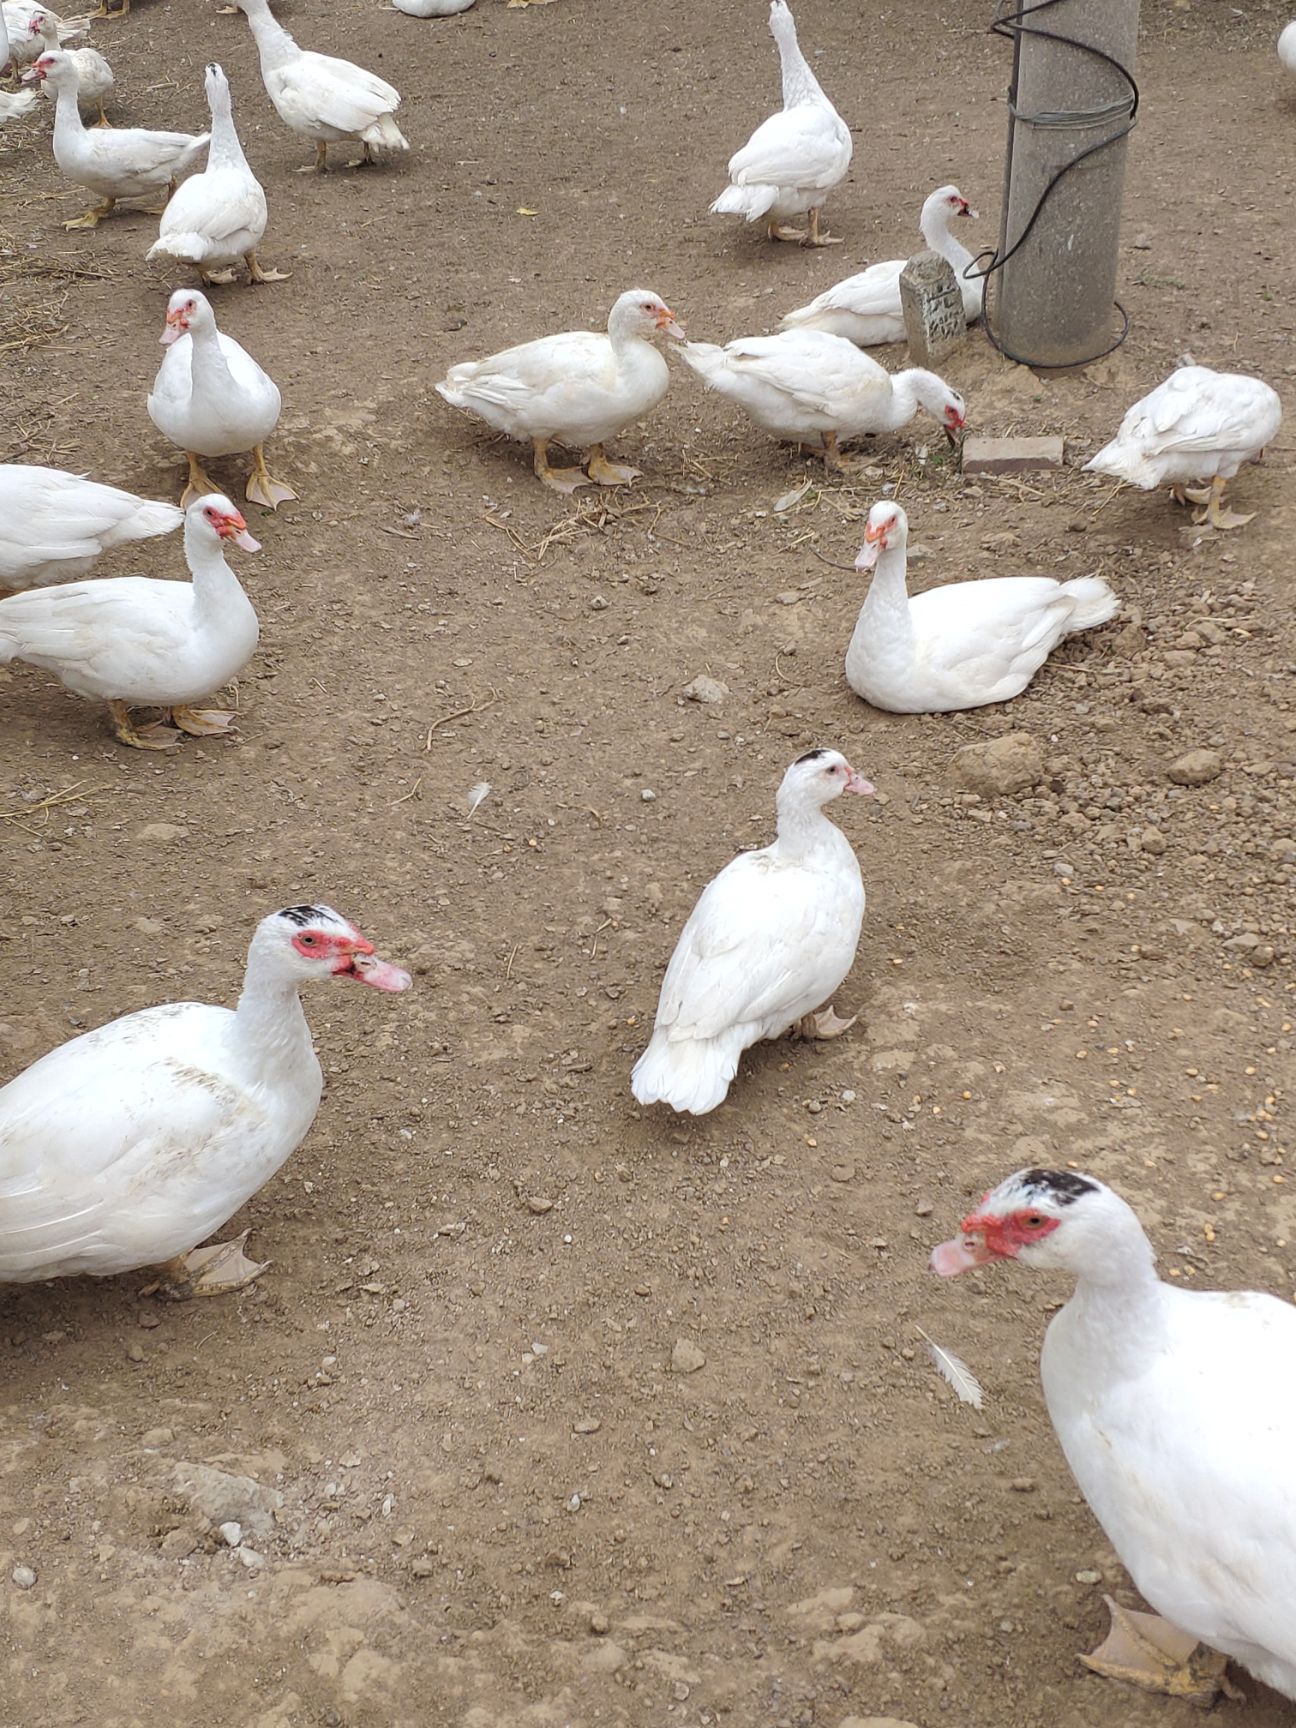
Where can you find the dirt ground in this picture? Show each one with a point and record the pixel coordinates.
(475, 1490)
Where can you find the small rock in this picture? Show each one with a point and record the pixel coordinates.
(156, 1437)
(162, 831)
(225, 1498)
(1152, 840)
(250, 1558)
(1088, 1577)
(1011, 455)
(230, 1533)
(422, 1567)
(1000, 767)
(686, 1358)
(23, 1577)
(842, 1172)
(599, 1623)
(587, 1425)
(708, 690)
(1195, 768)
(539, 1205)
(178, 1544)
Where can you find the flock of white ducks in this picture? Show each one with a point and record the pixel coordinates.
(128, 1146)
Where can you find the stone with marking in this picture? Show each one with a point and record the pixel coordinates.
(932, 303)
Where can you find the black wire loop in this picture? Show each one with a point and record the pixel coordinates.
(1014, 25)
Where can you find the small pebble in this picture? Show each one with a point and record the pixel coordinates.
(23, 1577)
(1088, 1577)
(231, 1534)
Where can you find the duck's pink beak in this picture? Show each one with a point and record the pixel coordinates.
(859, 785)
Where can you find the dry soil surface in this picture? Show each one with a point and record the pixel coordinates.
(475, 1484)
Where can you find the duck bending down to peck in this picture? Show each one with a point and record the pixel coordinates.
(128, 1146)
(794, 159)
(769, 941)
(578, 388)
(1176, 1410)
(1198, 425)
(809, 387)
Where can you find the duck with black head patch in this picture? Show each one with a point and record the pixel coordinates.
(1177, 1413)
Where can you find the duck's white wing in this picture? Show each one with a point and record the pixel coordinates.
(220, 204)
(1188, 1468)
(748, 947)
(86, 1131)
(554, 369)
(95, 624)
(798, 365)
(873, 291)
(799, 146)
(1196, 409)
(317, 88)
(44, 511)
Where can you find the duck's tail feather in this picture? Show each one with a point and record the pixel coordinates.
(751, 202)
(1094, 602)
(689, 1074)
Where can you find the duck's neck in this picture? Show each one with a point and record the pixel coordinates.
(217, 590)
(799, 82)
(912, 389)
(802, 826)
(269, 1021)
(208, 370)
(885, 612)
(274, 45)
(1116, 1305)
(49, 33)
(938, 234)
(225, 147)
(68, 125)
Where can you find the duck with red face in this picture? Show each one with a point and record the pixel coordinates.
(134, 642)
(1176, 1410)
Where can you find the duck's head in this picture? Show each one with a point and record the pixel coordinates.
(820, 776)
(646, 314)
(214, 515)
(315, 943)
(215, 83)
(952, 415)
(37, 25)
(948, 202)
(185, 309)
(53, 67)
(887, 530)
(1048, 1219)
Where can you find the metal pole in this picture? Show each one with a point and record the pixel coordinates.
(1056, 286)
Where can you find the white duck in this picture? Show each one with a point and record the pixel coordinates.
(1287, 46)
(794, 159)
(962, 645)
(1175, 1409)
(94, 75)
(769, 941)
(1197, 425)
(54, 525)
(123, 162)
(210, 398)
(217, 217)
(13, 107)
(579, 388)
(134, 642)
(20, 43)
(808, 386)
(865, 309)
(126, 1146)
(323, 99)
